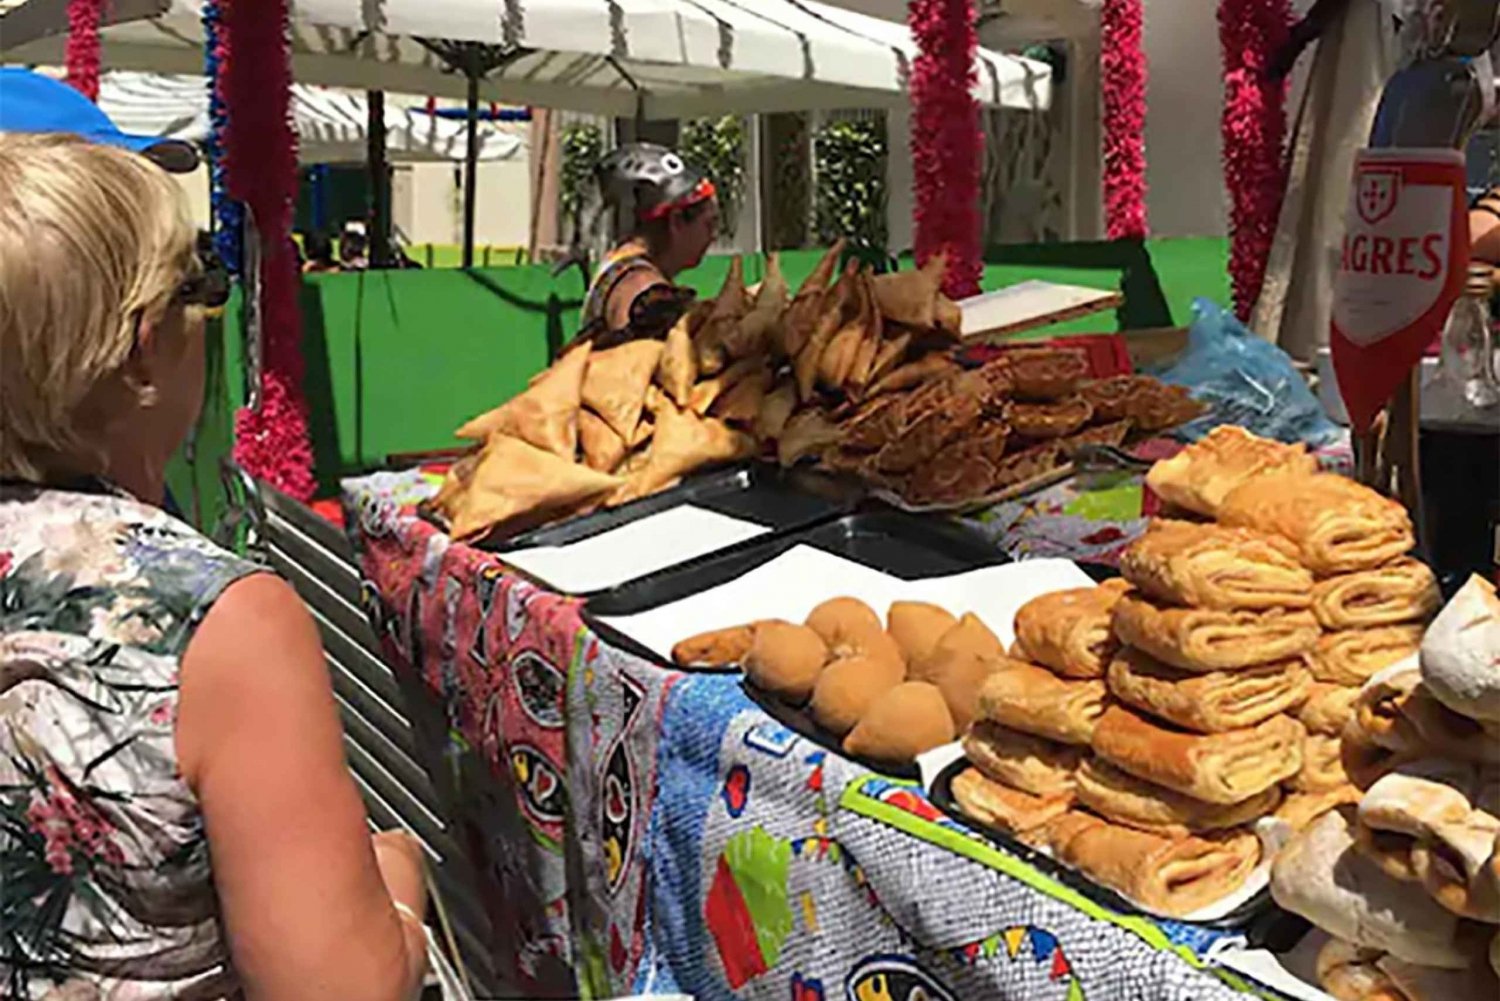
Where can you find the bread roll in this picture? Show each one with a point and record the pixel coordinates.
(1328, 708)
(902, 723)
(1004, 808)
(1121, 797)
(1218, 768)
(1207, 703)
(1036, 701)
(846, 688)
(1422, 983)
(1202, 640)
(844, 624)
(1396, 711)
(1210, 566)
(1322, 766)
(1348, 973)
(1320, 876)
(1069, 630)
(1461, 652)
(1171, 876)
(1022, 761)
(1455, 864)
(1353, 656)
(1364, 760)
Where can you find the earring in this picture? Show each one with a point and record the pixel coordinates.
(148, 396)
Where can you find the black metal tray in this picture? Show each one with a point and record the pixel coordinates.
(777, 499)
(799, 720)
(1259, 919)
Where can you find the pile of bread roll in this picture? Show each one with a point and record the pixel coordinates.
(1408, 880)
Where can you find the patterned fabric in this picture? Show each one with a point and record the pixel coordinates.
(105, 884)
(658, 832)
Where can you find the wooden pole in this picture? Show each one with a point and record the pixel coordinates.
(380, 181)
(471, 156)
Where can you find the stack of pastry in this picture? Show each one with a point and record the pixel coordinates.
(1408, 881)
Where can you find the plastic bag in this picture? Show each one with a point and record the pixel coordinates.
(1247, 381)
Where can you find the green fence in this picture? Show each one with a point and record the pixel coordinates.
(397, 359)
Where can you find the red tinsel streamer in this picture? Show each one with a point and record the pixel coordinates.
(1122, 62)
(81, 55)
(260, 162)
(946, 142)
(1254, 130)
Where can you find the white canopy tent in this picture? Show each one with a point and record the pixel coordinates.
(626, 58)
(332, 125)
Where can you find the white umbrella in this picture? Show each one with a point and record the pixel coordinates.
(332, 125)
(653, 58)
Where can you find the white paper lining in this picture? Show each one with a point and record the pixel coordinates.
(633, 550)
(794, 583)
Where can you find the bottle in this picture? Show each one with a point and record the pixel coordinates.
(1467, 346)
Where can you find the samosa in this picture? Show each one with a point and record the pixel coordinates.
(706, 392)
(807, 362)
(802, 315)
(860, 373)
(515, 485)
(755, 330)
(888, 356)
(911, 297)
(603, 449)
(711, 343)
(740, 404)
(546, 413)
(677, 370)
(808, 432)
(683, 442)
(775, 410)
(839, 358)
(615, 384)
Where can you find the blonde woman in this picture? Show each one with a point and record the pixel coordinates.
(176, 818)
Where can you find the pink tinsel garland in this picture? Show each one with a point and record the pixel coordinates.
(946, 142)
(260, 160)
(1254, 129)
(81, 54)
(1122, 62)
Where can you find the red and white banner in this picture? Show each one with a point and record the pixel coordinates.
(1401, 268)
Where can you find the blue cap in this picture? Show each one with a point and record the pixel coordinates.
(31, 102)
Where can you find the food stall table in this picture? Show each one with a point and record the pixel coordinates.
(651, 829)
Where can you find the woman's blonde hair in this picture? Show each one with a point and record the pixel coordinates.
(93, 240)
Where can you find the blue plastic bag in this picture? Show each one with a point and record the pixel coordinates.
(1247, 381)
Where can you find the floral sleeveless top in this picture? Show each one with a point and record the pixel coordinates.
(105, 888)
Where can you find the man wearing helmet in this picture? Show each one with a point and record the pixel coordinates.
(674, 217)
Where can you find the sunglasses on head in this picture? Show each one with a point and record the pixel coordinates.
(210, 286)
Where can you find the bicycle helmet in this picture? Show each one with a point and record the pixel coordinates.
(650, 181)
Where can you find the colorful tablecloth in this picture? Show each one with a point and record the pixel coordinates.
(641, 829)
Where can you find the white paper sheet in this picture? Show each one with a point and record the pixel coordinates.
(797, 581)
(653, 543)
(1293, 974)
(1027, 303)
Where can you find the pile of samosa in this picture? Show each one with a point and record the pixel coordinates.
(602, 427)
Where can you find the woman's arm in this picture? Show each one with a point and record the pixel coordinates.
(307, 905)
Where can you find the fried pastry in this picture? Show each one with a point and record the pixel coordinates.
(1156, 406)
(889, 354)
(1217, 768)
(1208, 566)
(917, 626)
(1298, 809)
(776, 409)
(1022, 761)
(1461, 653)
(1069, 630)
(801, 316)
(1328, 708)
(764, 316)
(707, 392)
(1320, 876)
(1216, 702)
(1322, 767)
(712, 342)
(1110, 397)
(844, 624)
(1110, 435)
(740, 404)
(955, 476)
(1036, 701)
(847, 687)
(1004, 808)
(959, 676)
(683, 442)
(1048, 420)
(1454, 865)
(602, 448)
(514, 484)
(1026, 466)
(614, 385)
(546, 413)
(1338, 526)
(969, 635)
(1200, 476)
(785, 660)
(1203, 640)
(1122, 798)
(903, 722)
(1353, 656)
(1404, 590)
(1045, 373)
(716, 648)
(1171, 876)
(807, 432)
(677, 370)
(911, 297)
(1365, 761)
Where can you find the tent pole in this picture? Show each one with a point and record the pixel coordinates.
(471, 158)
(380, 181)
